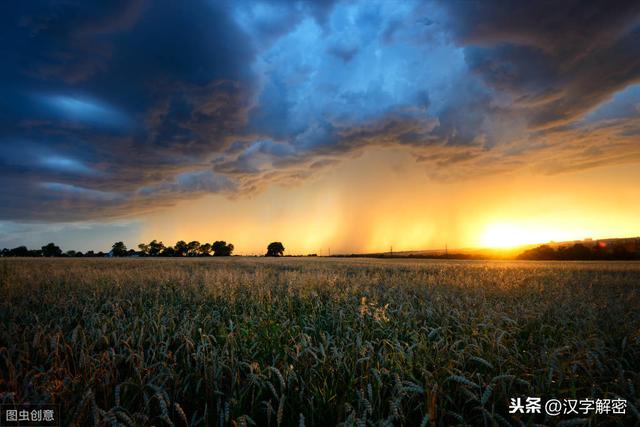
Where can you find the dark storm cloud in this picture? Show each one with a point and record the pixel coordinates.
(107, 98)
(116, 108)
(557, 59)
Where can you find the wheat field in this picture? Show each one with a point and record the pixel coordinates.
(294, 341)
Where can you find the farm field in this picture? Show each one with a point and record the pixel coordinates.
(315, 341)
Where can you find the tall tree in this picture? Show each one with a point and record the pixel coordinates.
(275, 249)
(169, 251)
(51, 250)
(193, 247)
(118, 249)
(155, 248)
(19, 251)
(144, 248)
(181, 248)
(221, 248)
(205, 249)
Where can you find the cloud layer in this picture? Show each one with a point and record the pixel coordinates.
(110, 110)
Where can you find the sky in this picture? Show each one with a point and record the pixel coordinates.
(342, 126)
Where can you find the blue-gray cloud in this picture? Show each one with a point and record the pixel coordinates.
(114, 108)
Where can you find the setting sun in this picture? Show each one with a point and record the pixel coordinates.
(506, 235)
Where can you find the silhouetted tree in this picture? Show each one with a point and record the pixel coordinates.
(168, 251)
(577, 252)
(193, 248)
(181, 248)
(71, 252)
(155, 248)
(221, 248)
(144, 249)
(19, 251)
(275, 249)
(620, 252)
(205, 249)
(118, 249)
(51, 250)
(599, 250)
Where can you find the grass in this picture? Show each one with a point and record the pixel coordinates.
(317, 341)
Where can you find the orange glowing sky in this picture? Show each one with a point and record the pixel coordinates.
(383, 198)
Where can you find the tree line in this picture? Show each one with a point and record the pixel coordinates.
(194, 248)
(151, 249)
(579, 251)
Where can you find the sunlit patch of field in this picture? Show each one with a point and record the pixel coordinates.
(274, 342)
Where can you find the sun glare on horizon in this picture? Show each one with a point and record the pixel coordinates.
(508, 235)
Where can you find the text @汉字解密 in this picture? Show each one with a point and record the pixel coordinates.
(554, 407)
